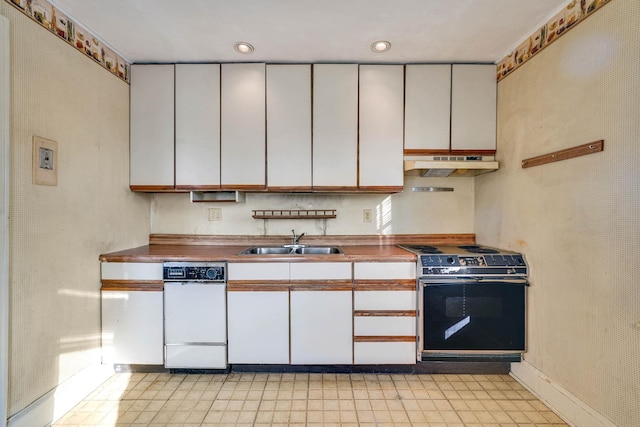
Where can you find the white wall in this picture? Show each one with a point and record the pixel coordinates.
(577, 221)
(402, 213)
(56, 233)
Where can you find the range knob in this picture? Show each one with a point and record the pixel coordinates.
(463, 261)
(451, 260)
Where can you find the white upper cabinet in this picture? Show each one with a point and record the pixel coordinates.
(335, 126)
(289, 126)
(152, 127)
(243, 126)
(381, 126)
(427, 108)
(473, 107)
(197, 126)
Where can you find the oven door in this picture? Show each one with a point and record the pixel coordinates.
(473, 315)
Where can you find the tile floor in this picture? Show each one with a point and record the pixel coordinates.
(257, 399)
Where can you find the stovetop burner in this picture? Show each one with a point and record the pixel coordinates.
(424, 249)
(475, 249)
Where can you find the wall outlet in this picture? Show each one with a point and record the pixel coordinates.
(215, 214)
(366, 215)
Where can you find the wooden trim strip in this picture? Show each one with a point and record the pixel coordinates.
(381, 189)
(132, 285)
(243, 187)
(568, 153)
(385, 285)
(258, 287)
(339, 240)
(257, 282)
(424, 152)
(289, 189)
(385, 313)
(153, 188)
(385, 338)
(331, 189)
(473, 152)
(321, 285)
(198, 187)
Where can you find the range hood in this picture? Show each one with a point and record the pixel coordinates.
(450, 165)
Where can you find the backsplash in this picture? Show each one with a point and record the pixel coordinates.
(401, 213)
(57, 22)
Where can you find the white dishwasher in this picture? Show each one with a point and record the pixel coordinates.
(195, 315)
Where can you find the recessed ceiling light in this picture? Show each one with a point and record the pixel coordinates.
(380, 46)
(243, 47)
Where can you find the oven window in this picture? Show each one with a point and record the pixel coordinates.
(486, 316)
(489, 307)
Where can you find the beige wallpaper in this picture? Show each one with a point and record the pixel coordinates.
(57, 233)
(402, 213)
(577, 221)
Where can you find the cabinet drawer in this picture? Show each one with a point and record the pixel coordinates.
(385, 300)
(374, 353)
(258, 271)
(384, 270)
(131, 271)
(384, 325)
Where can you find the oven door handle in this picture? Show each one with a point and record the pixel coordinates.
(467, 280)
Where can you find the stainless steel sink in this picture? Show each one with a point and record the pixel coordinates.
(297, 250)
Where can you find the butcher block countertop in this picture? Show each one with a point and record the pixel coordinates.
(171, 247)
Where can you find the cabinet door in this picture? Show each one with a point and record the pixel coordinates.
(258, 325)
(321, 327)
(335, 126)
(427, 108)
(473, 107)
(289, 126)
(132, 331)
(243, 126)
(381, 127)
(197, 126)
(152, 127)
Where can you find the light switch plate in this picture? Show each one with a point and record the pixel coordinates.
(45, 161)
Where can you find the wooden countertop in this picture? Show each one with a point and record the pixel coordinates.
(169, 247)
(161, 253)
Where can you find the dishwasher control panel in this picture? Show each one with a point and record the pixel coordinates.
(194, 272)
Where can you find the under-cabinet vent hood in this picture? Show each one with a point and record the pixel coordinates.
(442, 166)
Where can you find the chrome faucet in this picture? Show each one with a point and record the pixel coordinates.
(295, 240)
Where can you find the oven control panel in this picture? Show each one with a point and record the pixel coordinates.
(506, 260)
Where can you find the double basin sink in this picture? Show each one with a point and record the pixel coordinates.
(292, 250)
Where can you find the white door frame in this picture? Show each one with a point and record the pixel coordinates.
(4, 217)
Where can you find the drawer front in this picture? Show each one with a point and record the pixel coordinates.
(384, 270)
(131, 270)
(258, 271)
(385, 300)
(321, 271)
(385, 353)
(384, 325)
(196, 356)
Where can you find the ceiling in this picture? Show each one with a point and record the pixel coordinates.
(311, 30)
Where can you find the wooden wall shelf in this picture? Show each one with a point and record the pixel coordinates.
(569, 153)
(294, 214)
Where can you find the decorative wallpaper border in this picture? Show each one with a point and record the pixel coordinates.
(57, 22)
(567, 18)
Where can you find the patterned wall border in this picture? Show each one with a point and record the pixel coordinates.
(57, 22)
(567, 18)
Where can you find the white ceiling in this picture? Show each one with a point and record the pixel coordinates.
(311, 30)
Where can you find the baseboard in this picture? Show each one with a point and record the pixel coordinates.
(571, 409)
(53, 405)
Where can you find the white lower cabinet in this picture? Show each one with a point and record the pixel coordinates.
(258, 325)
(384, 353)
(321, 331)
(132, 327)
